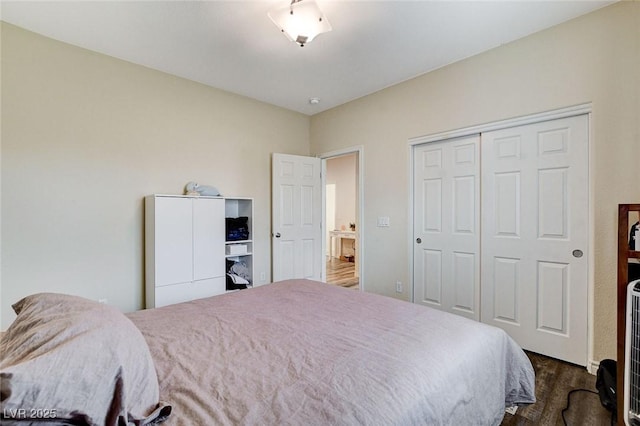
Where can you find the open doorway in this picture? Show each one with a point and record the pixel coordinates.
(342, 207)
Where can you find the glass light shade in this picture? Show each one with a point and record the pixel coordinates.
(301, 21)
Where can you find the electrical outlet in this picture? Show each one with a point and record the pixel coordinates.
(103, 301)
(398, 287)
(263, 277)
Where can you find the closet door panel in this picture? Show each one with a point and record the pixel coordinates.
(535, 211)
(464, 268)
(553, 207)
(464, 207)
(432, 219)
(504, 292)
(446, 226)
(506, 186)
(553, 288)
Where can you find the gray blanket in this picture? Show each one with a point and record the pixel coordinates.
(302, 352)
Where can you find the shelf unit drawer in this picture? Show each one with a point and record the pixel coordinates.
(183, 292)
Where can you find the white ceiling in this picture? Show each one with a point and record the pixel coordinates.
(233, 45)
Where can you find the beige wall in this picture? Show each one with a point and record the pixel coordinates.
(595, 58)
(85, 137)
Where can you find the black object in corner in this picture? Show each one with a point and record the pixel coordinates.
(606, 384)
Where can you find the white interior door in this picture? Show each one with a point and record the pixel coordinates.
(535, 235)
(296, 217)
(446, 226)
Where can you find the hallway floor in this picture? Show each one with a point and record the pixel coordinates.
(342, 273)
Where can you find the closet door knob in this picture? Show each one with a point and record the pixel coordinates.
(418, 240)
(577, 253)
(277, 235)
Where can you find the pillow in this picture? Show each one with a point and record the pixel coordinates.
(71, 360)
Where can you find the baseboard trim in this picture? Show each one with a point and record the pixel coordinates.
(593, 366)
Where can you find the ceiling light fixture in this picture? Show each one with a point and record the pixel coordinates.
(301, 21)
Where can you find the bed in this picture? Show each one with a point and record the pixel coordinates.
(289, 353)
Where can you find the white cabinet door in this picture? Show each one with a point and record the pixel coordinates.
(296, 217)
(177, 293)
(185, 249)
(446, 226)
(173, 241)
(208, 238)
(535, 235)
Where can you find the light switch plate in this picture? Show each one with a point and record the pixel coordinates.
(383, 221)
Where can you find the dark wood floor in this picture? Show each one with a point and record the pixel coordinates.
(554, 380)
(342, 273)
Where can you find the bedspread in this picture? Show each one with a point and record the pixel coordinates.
(300, 352)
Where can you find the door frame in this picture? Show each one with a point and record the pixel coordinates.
(581, 109)
(359, 152)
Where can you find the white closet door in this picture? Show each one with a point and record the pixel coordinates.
(535, 235)
(173, 240)
(208, 238)
(446, 226)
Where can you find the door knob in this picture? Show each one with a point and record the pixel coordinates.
(277, 235)
(577, 253)
(418, 240)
